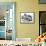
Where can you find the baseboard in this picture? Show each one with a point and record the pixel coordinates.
(24, 39)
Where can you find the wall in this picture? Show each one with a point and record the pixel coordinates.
(27, 30)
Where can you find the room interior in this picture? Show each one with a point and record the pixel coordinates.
(31, 31)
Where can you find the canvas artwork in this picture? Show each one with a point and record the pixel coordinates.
(26, 18)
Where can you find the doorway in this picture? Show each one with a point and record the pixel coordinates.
(7, 21)
(42, 22)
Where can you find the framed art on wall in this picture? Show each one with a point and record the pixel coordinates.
(27, 17)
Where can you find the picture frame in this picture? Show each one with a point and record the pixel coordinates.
(42, 1)
(27, 17)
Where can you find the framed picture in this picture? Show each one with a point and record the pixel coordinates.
(42, 1)
(26, 17)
